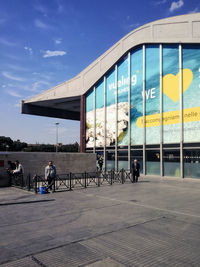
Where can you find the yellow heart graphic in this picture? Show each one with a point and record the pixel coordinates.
(171, 84)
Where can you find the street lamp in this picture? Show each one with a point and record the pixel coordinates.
(57, 123)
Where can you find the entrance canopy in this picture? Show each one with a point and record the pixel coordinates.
(63, 108)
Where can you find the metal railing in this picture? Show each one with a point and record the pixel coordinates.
(71, 181)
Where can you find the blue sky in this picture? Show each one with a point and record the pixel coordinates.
(46, 42)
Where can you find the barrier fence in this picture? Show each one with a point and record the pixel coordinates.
(71, 181)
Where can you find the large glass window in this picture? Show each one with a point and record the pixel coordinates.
(192, 163)
(110, 109)
(171, 94)
(153, 162)
(152, 94)
(110, 160)
(171, 162)
(136, 96)
(122, 101)
(90, 119)
(191, 93)
(122, 157)
(137, 154)
(99, 104)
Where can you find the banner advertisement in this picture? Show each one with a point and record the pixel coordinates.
(171, 96)
(136, 95)
(152, 91)
(110, 109)
(99, 103)
(191, 93)
(122, 100)
(89, 119)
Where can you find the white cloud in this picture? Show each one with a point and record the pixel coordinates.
(12, 77)
(41, 25)
(29, 49)
(37, 86)
(176, 5)
(16, 67)
(6, 42)
(13, 93)
(49, 53)
(58, 41)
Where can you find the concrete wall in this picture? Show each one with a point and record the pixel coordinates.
(35, 162)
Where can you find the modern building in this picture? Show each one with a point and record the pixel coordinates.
(140, 99)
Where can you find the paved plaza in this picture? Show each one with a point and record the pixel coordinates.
(155, 222)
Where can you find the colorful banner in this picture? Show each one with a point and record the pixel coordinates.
(90, 119)
(191, 93)
(136, 95)
(122, 100)
(152, 91)
(110, 109)
(99, 103)
(171, 97)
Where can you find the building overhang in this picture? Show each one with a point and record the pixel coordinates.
(63, 108)
(63, 101)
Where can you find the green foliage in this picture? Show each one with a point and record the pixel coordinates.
(7, 144)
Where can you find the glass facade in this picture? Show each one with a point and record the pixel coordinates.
(147, 107)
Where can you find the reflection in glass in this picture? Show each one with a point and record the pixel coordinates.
(110, 160)
(192, 163)
(122, 157)
(171, 162)
(153, 162)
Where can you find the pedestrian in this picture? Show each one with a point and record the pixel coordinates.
(100, 162)
(18, 174)
(135, 170)
(50, 175)
(19, 170)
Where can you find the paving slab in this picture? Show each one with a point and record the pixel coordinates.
(155, 222)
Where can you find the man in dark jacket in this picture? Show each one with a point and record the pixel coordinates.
(135, 170)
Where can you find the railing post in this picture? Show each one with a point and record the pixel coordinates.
(29, 182)
(111, 177)
(70, 181)
(98, 177)
(22, 180)
(54, 185)
(122, 176)
(85, 177)
(35, 178)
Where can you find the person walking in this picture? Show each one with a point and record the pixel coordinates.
(135, 170)
(100, 162)
(18, 168)
(50, 175)
(18, 174)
